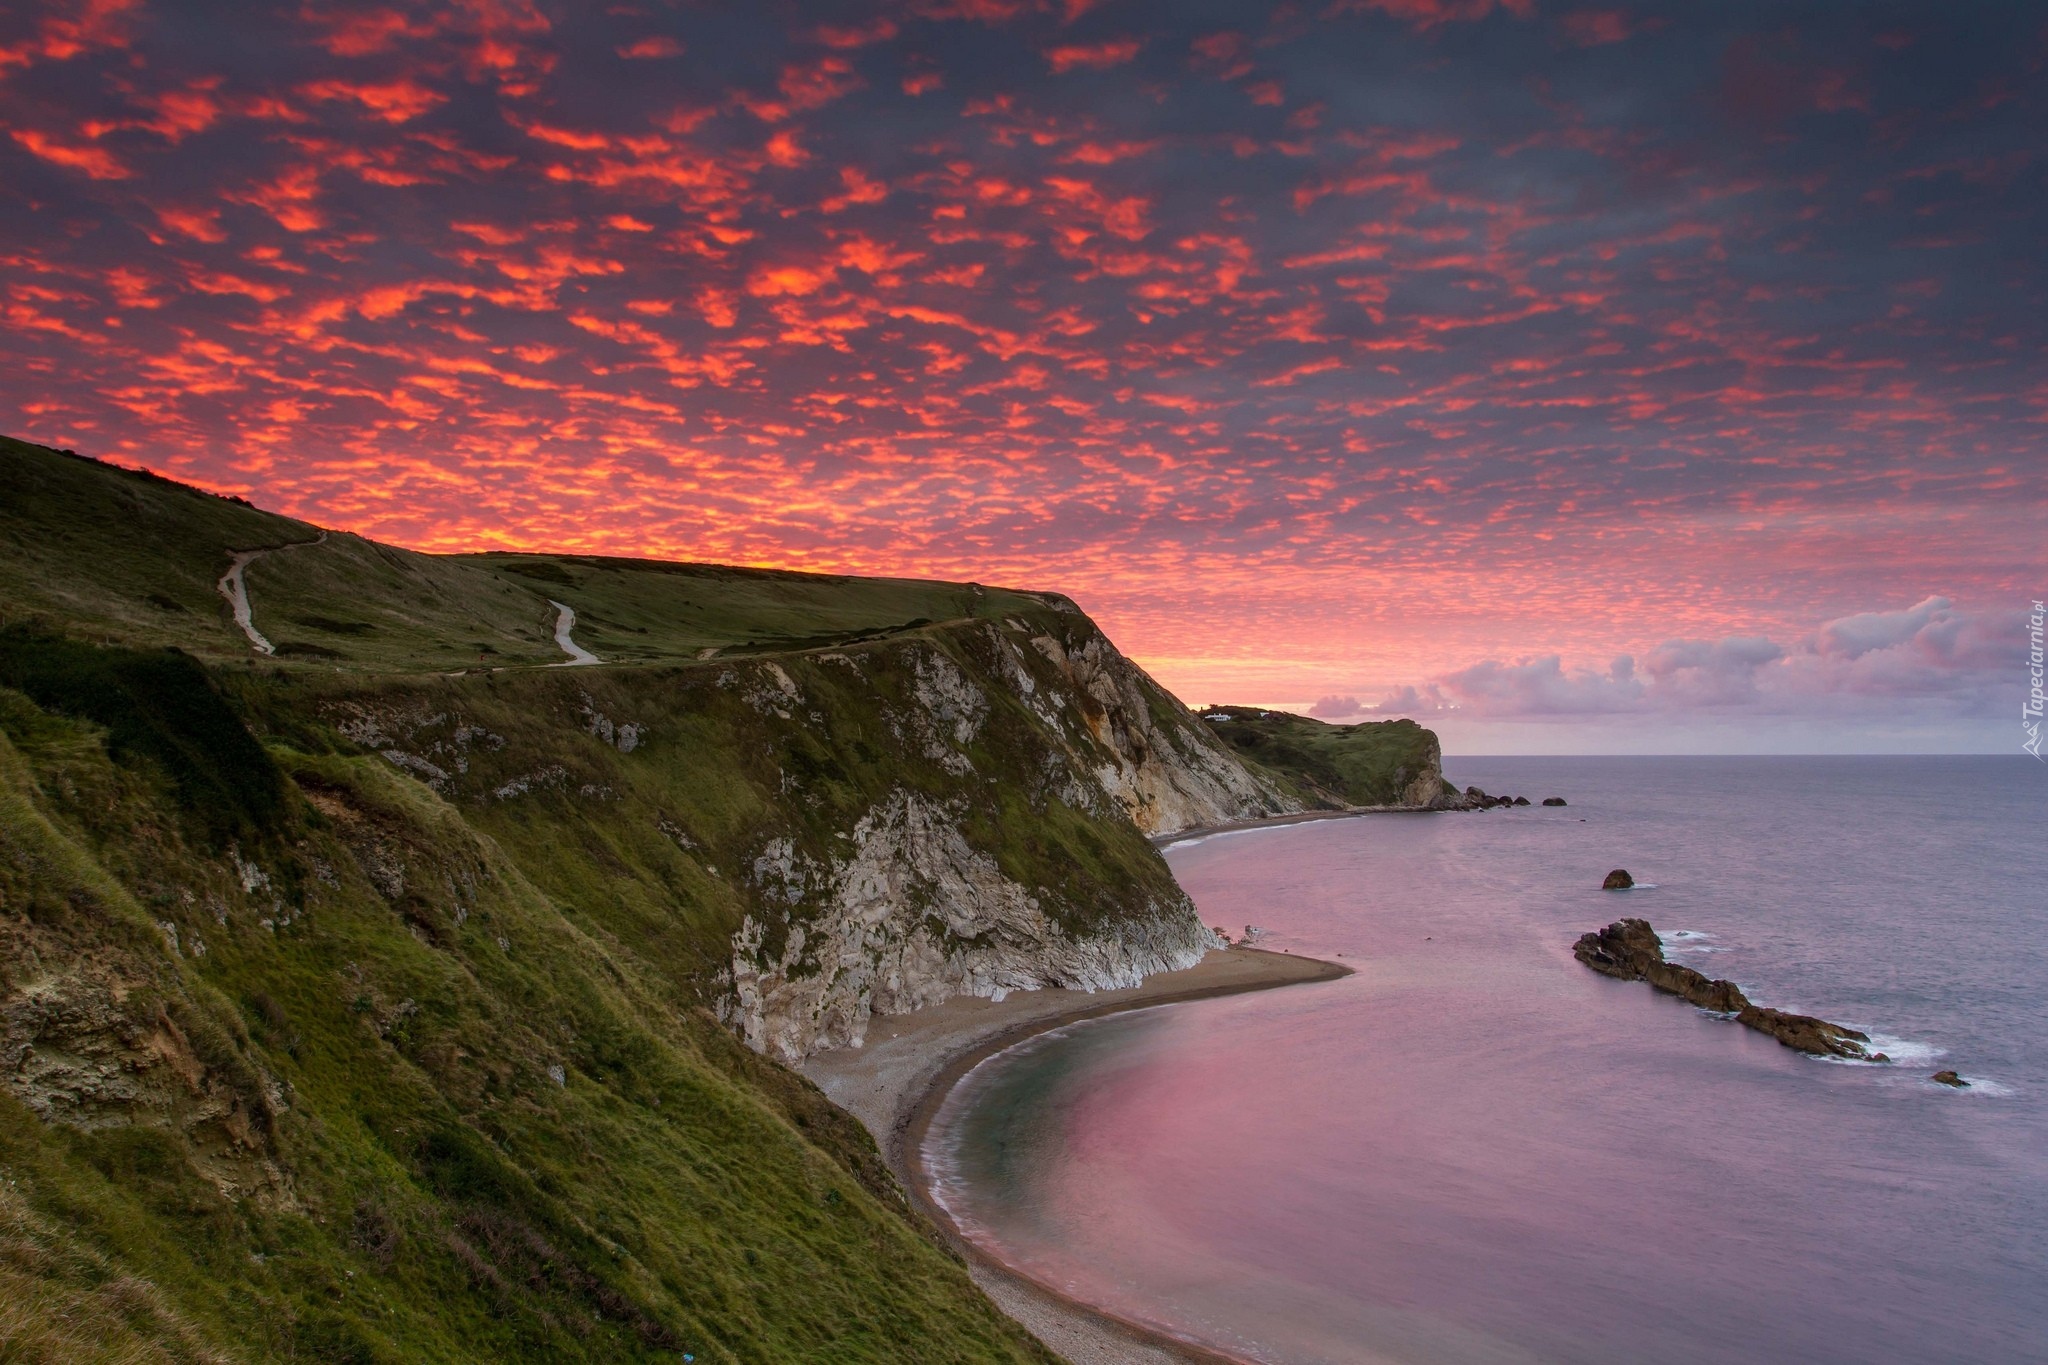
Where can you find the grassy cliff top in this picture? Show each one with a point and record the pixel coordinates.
(1372, 763)
(132, 558)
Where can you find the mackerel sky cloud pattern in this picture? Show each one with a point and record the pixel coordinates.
(1322, 349)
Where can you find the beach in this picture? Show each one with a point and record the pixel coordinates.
(1453, 1155)
(896, 1081)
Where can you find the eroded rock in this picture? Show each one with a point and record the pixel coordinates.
(1629, 950)
(914, 914)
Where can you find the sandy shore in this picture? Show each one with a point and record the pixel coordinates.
(896, 1082)
(1298, 818)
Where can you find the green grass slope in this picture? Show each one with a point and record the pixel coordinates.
(128, 557)
(1330, 767)
(358, 1002)
(340, 1082)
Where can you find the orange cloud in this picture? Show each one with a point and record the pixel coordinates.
(772, 281)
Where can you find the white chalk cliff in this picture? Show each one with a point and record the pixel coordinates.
(907, 909)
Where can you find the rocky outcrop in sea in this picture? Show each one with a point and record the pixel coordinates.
(1629, 950)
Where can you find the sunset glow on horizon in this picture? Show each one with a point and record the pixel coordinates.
(1564, 375)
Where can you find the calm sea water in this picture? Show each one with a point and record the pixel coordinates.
(1476, 1150)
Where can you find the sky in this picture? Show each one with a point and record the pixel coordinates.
(1573, 377)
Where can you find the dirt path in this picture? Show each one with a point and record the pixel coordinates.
(235, 588)
(565, 621)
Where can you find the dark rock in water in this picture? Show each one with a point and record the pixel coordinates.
(1619, 880)
(1553, 801)
(1629, 950)
(1521, 800)
(1720, 997)
(1950, 1078)
(1804, 1033)
(1622, 948)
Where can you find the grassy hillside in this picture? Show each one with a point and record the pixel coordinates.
(126, 556)
(1329, 767)
(349, 1086)
(360, 1002)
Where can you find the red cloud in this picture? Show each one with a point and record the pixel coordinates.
(96, 162)
(351, 32)
(1428, 14)
(650, 48)
(1095, 56)
(1080, 338)
(77, 29)
(201, 225)
(393, 101)
(879, 30)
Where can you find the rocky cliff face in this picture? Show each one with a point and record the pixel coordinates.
(914, 915)
(914, 905)
(959, 810)
(1160, 763)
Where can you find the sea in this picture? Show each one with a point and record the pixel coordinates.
(1475, 1149)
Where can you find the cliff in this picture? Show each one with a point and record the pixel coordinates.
(375, 997)
(1384, 763)
(870, 828)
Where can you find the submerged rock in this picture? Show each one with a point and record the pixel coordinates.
(1618, 880)
(1950, 1078)
(1629, 950)
(1553, 801)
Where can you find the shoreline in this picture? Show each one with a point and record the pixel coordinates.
(897, 1082)
(1303, 817)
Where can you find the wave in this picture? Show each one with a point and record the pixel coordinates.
(1909, 1057)
(1191, 840)
(1901, 1053)
(1689, 941)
